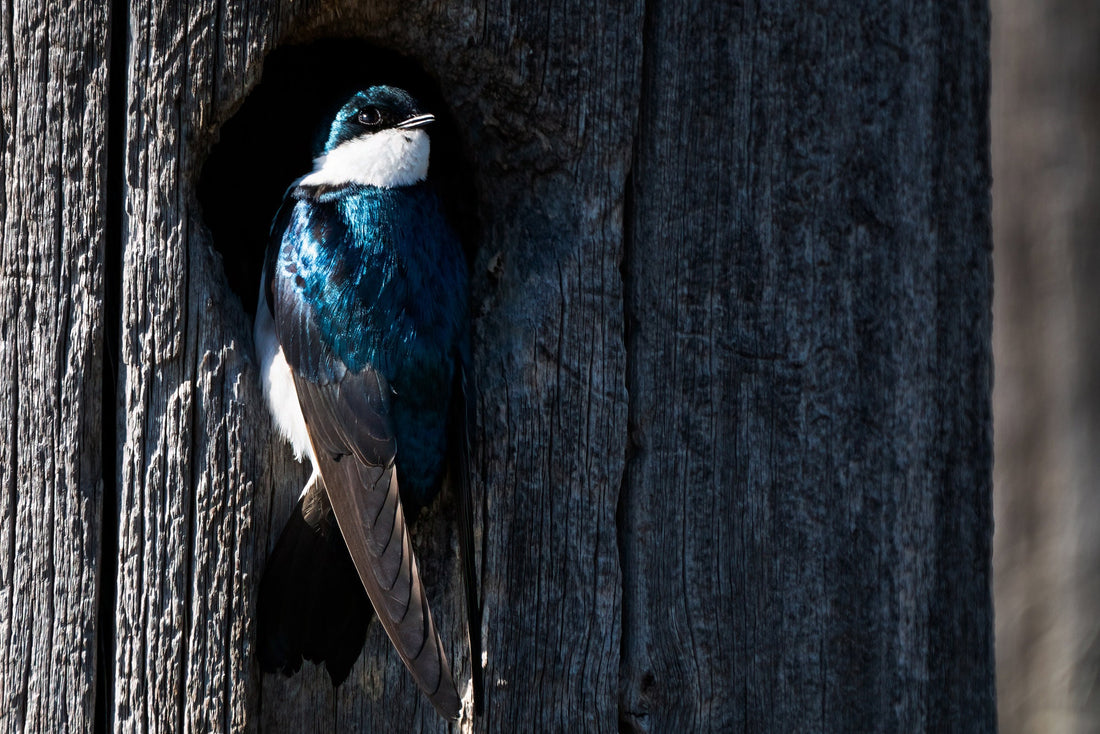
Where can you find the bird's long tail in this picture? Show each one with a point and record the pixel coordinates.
(312, 603)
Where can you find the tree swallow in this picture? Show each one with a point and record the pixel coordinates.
(363, 340)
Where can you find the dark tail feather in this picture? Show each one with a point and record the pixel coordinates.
(311, 601)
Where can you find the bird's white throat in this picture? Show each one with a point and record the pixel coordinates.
(387, 159)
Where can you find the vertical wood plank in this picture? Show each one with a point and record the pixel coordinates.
(193, 468)
(53, 120)
(807, 515)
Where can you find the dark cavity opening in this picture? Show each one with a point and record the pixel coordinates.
(280, 127)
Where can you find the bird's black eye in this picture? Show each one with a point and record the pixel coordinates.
(370, 116)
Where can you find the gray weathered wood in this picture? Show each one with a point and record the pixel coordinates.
(806, 525)
(1046, 164)
(732, 347)
(193, 466)
(563, 428)
(187, 386)
(53, 121)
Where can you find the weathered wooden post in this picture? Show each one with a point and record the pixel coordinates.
(53, 232)
(732, 290)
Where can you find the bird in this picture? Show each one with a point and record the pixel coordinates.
(363, 341)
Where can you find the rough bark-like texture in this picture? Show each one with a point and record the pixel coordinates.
(551, 161)
(1046, 160)
(192, 462)
(806, 514)
(731, 300)
(53, 120)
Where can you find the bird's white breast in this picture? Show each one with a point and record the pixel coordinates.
(387, 159)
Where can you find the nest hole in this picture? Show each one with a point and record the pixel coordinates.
(279, 129)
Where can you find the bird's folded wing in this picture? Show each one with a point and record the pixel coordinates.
(347, 414)
(362, 487)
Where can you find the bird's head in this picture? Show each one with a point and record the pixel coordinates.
(376, 139)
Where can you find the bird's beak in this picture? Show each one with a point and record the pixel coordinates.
(416, 121)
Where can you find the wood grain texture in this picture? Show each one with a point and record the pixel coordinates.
(806, 516)
(548, 103)
(554, 398)
(193, 465)
(53, 119)
(732, 356)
